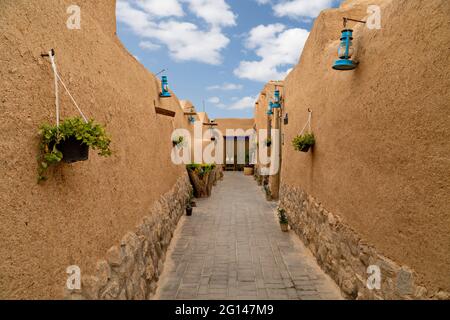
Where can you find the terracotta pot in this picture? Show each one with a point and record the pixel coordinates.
(200, 184)
(248, 171)
(284, 227)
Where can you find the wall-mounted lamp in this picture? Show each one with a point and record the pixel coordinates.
(277, 100)
(165, 88)
(286, 119)
(346, 50)
(270, 111)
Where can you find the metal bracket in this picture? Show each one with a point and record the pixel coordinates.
(346, 20)
(47, 55)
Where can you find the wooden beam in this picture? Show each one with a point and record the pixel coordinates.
(165, 112)
(211, 124)
(190, 113)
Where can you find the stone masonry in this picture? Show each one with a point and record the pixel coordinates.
(132, 268)
(344, 256)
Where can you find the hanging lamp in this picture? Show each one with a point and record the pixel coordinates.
(346, 50)
(165, 88)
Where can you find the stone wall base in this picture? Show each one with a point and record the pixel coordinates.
(131, 269)
(344, 256)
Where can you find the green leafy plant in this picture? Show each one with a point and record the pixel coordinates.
(178, 141)
(282, 217)
(267, 190)
(201, 169)
(91, 134)
(304, 142)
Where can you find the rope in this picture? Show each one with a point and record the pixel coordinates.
(57, 77)
(308, 124)
(55, 72)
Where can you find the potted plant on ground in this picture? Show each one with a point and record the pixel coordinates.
(268, 193)
(259, 179)
(199, 176)
(191, 199)
(248, 168)
(70, 142)
(188, 209)
(304, 142)
(283, 219)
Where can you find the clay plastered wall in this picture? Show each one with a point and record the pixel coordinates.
(234, 124)
(262, 105)
(382, 159)
(84, 208)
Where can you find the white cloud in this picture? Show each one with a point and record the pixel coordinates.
(164, 8)
(187, 43)
(226, 87)
(214, 100)
(215, 12)
(149, 46)
(243, 103)
(157, 20)
(263, 1)
(278, 49)
(301, 8)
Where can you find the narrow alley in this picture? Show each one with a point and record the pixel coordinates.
(232, 248)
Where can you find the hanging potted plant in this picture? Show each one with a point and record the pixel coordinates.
(283, 219)
(178, 141)
(304, 142)
(70, 142)
(248, 168)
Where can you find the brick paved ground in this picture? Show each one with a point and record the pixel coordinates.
(232, 248)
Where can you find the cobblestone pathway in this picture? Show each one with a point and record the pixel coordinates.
(232, 248)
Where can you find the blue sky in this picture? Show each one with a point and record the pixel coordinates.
(221, 52)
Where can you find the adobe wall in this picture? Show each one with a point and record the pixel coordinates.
(262, 123)
(83, 209)
(375, 189)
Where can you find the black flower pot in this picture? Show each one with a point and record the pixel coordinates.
(189, 212)
(73, 150)
(305, 148)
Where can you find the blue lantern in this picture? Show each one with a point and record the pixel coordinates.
(277, 103)
(345, 52)
(191, 119)
(165, 88)
(270, 111)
